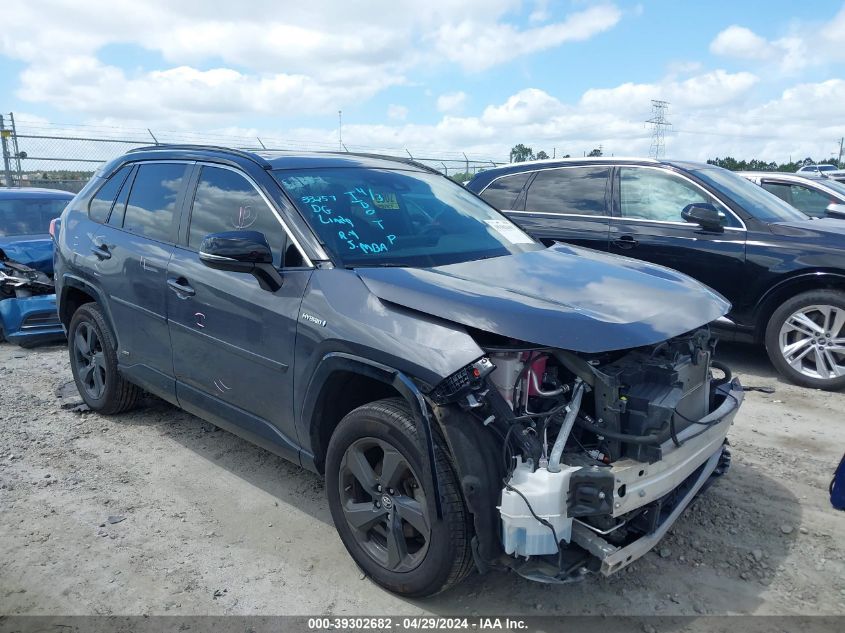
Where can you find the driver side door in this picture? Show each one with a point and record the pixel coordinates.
(233, 341)
(647, 224)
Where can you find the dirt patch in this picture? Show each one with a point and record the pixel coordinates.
(156, 512)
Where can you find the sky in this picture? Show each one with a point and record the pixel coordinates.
(749, 79)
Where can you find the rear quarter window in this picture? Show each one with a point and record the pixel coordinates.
(503, 192)
(101, 204)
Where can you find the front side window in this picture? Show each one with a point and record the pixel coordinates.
(571, 190)
(386, 217)
(101, 204)
(503, 192)
(654, 194)
(151, 208)
(810, 201)
(226, 201)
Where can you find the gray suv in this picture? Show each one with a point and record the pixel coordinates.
(473, 398)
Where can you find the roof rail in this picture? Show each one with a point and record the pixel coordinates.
(216, 148)
(398, 159)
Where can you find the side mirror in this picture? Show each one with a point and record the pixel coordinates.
(242, 252)
(837, 211)
(704, 214)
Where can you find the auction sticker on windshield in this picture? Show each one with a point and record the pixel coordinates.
(509, 231)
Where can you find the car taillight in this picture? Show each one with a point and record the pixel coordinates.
(54, 227)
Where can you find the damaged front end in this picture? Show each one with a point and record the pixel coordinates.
(577, 462)
(28, 314)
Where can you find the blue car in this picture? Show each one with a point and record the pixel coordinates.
(27, 300)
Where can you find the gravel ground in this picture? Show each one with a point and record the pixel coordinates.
(158, 512)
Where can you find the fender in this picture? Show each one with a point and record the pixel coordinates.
(341, 361)
(72, 281)
(815, 275)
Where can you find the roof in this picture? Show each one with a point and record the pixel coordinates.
(282, 159)
(33, 192)
(483, 178)
(786, 175)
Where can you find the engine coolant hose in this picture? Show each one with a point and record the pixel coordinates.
(566, 427)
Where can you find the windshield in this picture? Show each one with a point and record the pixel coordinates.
(384, 217)
(29, 216)
(826, 167)
(761, 204)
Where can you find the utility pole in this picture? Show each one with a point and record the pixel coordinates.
(658, 127)
(7, 164)
(839, 161)
(340, 130)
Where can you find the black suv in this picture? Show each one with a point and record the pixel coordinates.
(472, 397)
(782, 271)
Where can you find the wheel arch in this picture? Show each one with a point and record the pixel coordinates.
(791, 286)
(343, 382)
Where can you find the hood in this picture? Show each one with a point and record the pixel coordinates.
(565, 297)
(35, 251)
(821, 227)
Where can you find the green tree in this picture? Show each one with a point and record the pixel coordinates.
(520, 153)
(541, 155)
(596, 152)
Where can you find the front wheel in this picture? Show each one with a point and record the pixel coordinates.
(379, 500)
(805, 339)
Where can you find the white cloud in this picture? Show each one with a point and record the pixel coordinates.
(803, 46)
(317, 56)
(476, 44)
(738, 41)
(451, 101)
(397, 112)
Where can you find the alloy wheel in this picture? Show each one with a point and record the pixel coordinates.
(812, 341)
(90, 360)
(384, 504)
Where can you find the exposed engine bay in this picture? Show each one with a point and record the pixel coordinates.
(18, 280)
(599, 452)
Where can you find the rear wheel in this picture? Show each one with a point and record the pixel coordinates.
(93, 361)
(379, 501)
(805, 339)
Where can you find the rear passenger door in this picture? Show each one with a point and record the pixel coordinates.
(568, 204)
(233, 341)
(138, 210)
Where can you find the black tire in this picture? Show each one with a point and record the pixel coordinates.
(447, 557)
(117, 394)
(808, 364)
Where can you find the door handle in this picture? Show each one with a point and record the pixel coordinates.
(626, 241)
(101, 250)
(181, 287)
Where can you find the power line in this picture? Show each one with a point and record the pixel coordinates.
(658, 127)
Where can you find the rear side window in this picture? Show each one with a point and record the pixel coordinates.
(502, 193)
(226, 201)
(571, 190)
(101, 204)
(151, 208)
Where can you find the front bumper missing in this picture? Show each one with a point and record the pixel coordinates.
(684, 470)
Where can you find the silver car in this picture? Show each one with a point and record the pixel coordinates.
(816, 196)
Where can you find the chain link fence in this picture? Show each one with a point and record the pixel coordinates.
(37, 154)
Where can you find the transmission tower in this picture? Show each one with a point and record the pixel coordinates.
(658, 127)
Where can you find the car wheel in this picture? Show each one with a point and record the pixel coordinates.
(805, 339)
(93, 361)
(378, 498)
